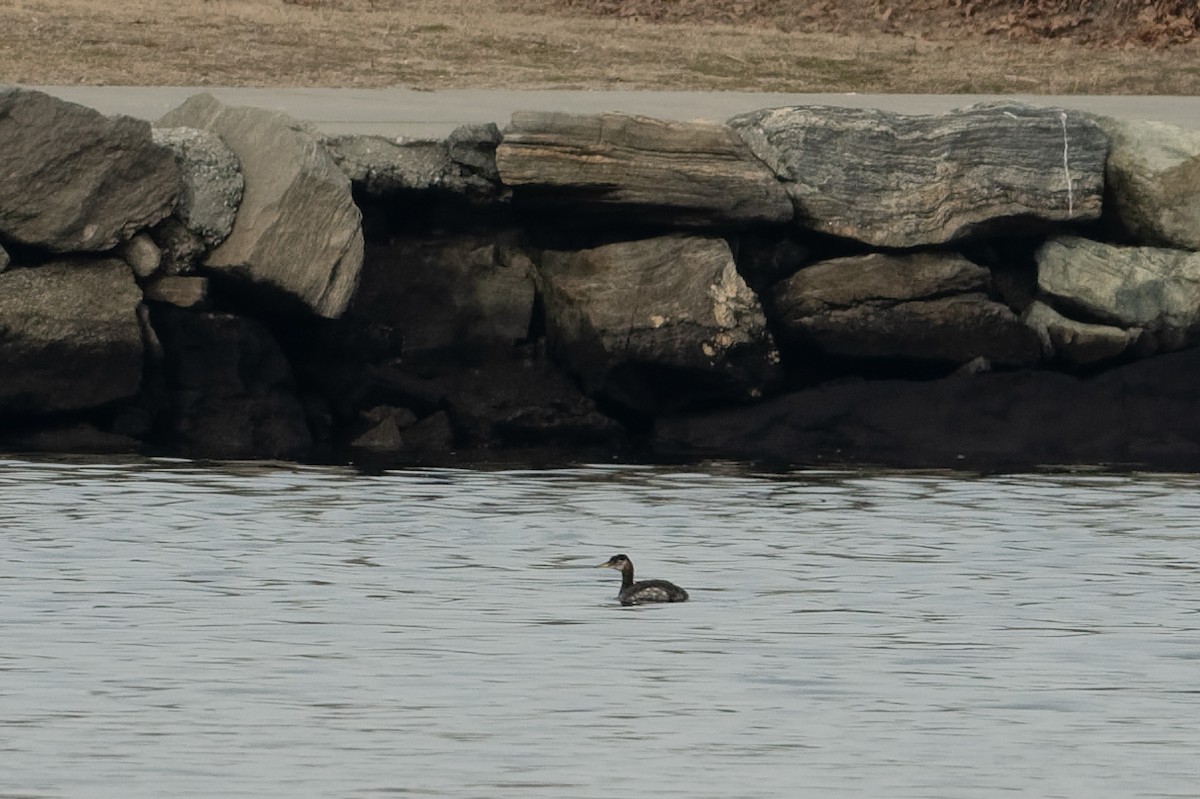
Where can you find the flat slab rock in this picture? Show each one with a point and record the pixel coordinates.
(74, 180)
(926, 306)
(297, 229)
(644, 171)
(896, 180)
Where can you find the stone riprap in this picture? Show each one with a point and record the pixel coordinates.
(801, 285)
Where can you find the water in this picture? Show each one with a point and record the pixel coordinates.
(169, 629)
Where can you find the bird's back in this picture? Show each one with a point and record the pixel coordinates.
(652, 591)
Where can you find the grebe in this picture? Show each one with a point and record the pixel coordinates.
(645, 591)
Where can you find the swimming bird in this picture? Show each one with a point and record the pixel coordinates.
(645, 591)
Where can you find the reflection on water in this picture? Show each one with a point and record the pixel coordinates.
(178, 630)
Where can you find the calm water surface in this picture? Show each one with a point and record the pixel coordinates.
(169, 629)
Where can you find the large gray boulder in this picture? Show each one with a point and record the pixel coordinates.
(638, 170)
(1148, 287)
(72, 179)
(657, 323)
(1154, 181)
(925, 307)
(463, 164)
(895, 180)
(69, 336)
(297, 230)
(212, 182)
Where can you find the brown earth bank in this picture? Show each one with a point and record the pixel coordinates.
(1100, 22)
(925, 46)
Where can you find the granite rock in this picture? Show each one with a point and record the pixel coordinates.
(896, 180)
(212, 182)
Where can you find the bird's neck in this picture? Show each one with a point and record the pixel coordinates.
(627, 575)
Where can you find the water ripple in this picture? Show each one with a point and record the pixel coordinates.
(259, 630)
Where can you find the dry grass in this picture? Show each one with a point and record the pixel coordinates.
(438, 44)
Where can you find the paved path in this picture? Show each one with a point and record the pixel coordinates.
(406, 112)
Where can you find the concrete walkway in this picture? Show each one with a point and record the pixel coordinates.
(406, 112)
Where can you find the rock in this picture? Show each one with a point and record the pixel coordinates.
(638, 171)
(232, 393)
(657, 323)
(1076, 343)
(150, 341)
(1137, 414)
(69, 336)
(402, 417)
(924, 307)
(72, 438)
(433, 434)
(383, 437)
(895, 180)
(1147, 287)
(456, 299)
(182, 292)
(844, 282)
(1154, 181)
(390, 384)
(72, 179)
(464, 164)
(473, 148)
(297, 229)
(142, 255)
(212, 182)
(179, 248)
(4, 259)
(524, 403)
